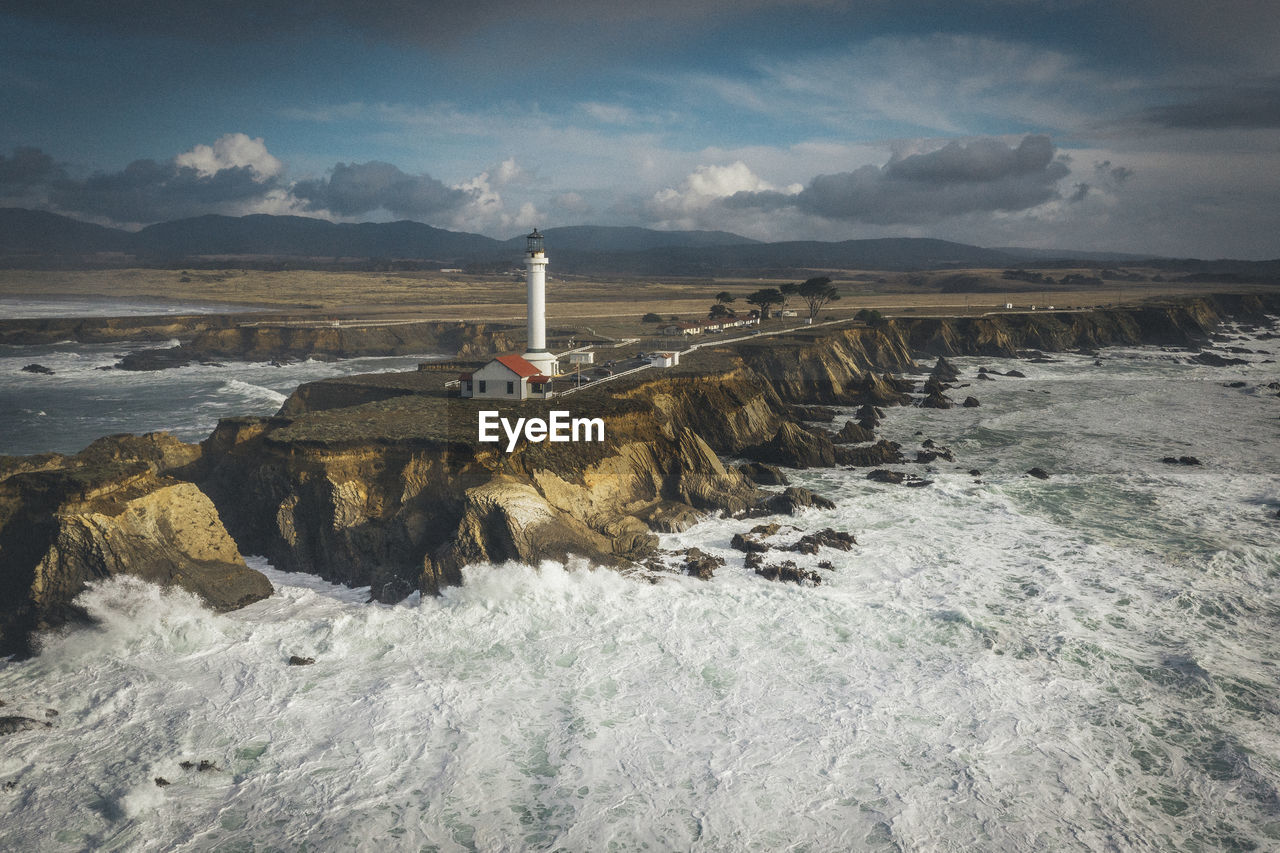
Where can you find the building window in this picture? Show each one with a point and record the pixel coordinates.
(537, 387)
(467, 384)
(481, 386)
(511, 387)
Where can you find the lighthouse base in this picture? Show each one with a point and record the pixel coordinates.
(544, 361)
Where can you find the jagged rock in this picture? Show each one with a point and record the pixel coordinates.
(814, 413)
(1039, 473)
(974, 472)
(1181, 460)
(766, 529)
(827, 537)
(507, 519)
(944, 371)
(884, 475)
(788, 572)
(877, 390)
(1015, 374)
(671, 517)
(971, 403)
(13, 725)
(883, 452)
(936, 401)
(204, 766)
(162, 782)
(747, 543)
(795, 447)
(794, 498)
(701, 565)
(825, 564)
(107, 511)
(986, 377)
(1210, 359)
(764, 474)
(852, 433)
(156, 359)
(295, 660)
(869, 416)
(753, 560)
(38, 368)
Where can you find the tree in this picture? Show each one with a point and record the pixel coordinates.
(788, 290)
(817, 293)
(718, 310)
(724, 297)
(870, 316)
(650, 318)
(764, 297)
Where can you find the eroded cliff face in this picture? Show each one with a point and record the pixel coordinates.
(381, 481)
(111, 509)
(1185, 322)
(394, 490)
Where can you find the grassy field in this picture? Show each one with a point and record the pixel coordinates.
(607, 306)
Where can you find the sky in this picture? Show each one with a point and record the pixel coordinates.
(1144, 126)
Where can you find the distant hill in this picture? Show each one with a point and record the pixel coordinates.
(260, 234)
(38, 238)
(35, 232)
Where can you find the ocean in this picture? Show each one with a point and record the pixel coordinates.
(1086, 662)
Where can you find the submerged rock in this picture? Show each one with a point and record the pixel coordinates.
(1039, 473)
(13, 725)
(1210, 359)
(789, 572)
(971, 403)
(38, 368)
(295, 660)
(1181, 460)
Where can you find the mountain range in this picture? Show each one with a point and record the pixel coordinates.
(38, 238)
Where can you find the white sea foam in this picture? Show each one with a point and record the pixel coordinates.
(1002, 663)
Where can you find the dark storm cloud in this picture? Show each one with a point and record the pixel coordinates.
(362, 187)
(27, 168)
(1248, 105)
(983, 175)
(147, 191)
(425, 21)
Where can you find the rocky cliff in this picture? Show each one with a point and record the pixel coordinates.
(381, 480)
(111, 509)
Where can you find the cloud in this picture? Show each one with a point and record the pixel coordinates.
(232, 151)
(433, 22)
(1247, 105)
(148, 191)
(27, 168)
(705, 187)
(360, 188)
(235, 175)
(982, 175)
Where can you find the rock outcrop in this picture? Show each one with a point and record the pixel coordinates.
(112, 509)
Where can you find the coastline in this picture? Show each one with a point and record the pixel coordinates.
(380, 481)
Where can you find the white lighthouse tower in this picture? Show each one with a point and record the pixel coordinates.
(535, 261)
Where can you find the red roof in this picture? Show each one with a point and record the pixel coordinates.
(517, 365)
(464, 376)
(540, 378)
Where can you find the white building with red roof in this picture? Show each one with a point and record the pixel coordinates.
(507, 377)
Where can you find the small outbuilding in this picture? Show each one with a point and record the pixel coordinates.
(507, 377)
